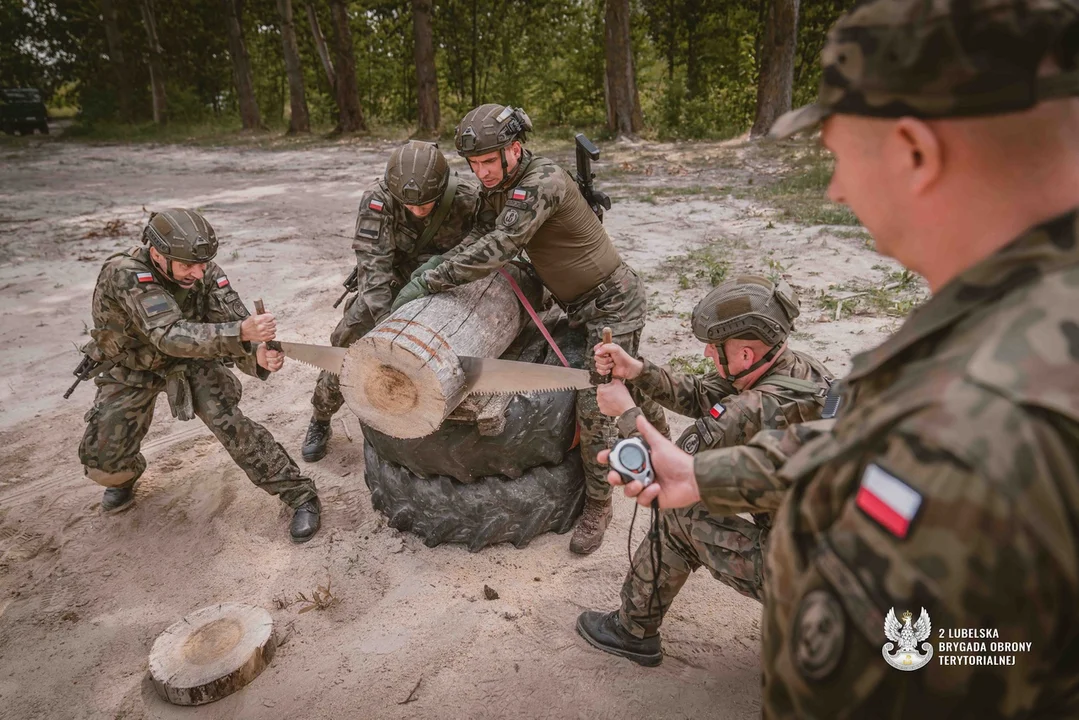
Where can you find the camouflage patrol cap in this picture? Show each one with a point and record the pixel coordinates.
(182, 235)
(943, 58)
(746, 307)
(490, 127)
(417, 173)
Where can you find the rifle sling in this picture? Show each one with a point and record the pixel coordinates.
(441, 212)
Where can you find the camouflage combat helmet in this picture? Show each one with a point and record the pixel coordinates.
(416, 173)
(943, 59)
(489, 128)
(748, 307)
(182, 235)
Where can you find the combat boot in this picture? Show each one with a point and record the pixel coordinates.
(118, 498)
(604, 631)
(314, 445)
(593, 523)
(306, 521)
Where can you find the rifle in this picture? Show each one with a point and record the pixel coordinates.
(351, 284)
(586, 153)
(88, 368)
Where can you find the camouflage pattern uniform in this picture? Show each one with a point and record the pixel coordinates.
(388, 250)
(949, 479)
(540, 210)
(163, 336)
(729, 546)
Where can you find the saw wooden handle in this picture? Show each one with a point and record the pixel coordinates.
(260, 309)
(608, 338)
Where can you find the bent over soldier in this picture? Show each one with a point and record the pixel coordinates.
(530, 204)
(759, 383)
(418, 210)
(167, 319)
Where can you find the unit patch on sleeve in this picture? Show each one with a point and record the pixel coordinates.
(144, 277)
(155, 303)
(888, 501)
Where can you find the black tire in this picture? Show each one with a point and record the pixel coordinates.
(492, 510)
(44, 128)
(539, 431)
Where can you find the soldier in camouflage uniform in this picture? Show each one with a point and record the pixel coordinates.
(949, 477)
(418, 210)
(759, 383)
(167, 319)
(529, 204)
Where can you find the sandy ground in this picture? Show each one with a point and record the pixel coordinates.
(83, 596)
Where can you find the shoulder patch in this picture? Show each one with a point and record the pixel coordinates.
(510, 217)
(818, 637)
(717, 410)
(144, 277)
(223, 281)
(519, 194)
(692, 443)
(888, 501)
(375, 204)
(155, 303)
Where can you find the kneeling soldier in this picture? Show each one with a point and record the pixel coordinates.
(167, 319)
(760, 384)
(418, 210)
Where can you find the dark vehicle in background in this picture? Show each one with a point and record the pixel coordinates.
(22, 111)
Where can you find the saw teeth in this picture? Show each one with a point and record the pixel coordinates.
(312, 365)
(521, 392)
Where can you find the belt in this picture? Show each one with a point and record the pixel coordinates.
(606, 284)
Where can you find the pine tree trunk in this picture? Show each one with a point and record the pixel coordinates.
(157, 67)
(241, 66)
(320, 46)
(299, 119)
(426, 76)
(350, 114)
(776, 80)
(623, 103)
(116, 59)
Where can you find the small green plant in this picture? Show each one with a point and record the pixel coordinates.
(691, 364)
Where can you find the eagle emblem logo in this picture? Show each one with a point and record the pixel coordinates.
(907, 637)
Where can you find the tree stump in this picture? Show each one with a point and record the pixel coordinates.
(211, 653)
(403, 378)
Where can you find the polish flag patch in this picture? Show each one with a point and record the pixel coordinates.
(519, 194)
(887, 500)
(144, 277)
(376, 205)
(717, 410)
(222, 281)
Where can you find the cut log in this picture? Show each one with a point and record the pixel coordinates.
(403, 378)
(211, 653)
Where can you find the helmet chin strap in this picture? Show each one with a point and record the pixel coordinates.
(766, 358)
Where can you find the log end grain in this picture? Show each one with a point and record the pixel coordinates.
(211, 653)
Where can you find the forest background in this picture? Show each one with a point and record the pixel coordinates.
(664, 69)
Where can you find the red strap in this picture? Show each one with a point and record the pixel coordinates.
(550, 340)
(532, 314)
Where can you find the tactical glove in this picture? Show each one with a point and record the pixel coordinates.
(431, 264)
(415, 289)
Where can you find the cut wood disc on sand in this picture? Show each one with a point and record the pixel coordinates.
(403, 378)
(211, 653)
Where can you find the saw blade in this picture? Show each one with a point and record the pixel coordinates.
(488, 376)
(323, 357)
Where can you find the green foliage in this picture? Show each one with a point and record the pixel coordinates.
(691, 364)
(696, 62)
